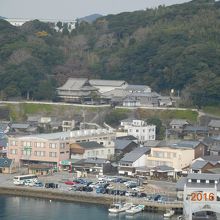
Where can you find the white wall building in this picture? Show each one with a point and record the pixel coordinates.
(141, 130)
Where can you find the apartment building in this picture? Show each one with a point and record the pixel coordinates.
(176, 157)
(141, 130)
(54, 147)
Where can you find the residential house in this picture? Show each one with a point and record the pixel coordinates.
(162, 172)
(84, 150)
(104, 86)
(137, 99)
(94, 165)
(178, 124)
(202, 165)
(7, 166)
(126, 123)
(133, 159)
(176, 154)
(123, 146)
(174, 157)
(76, 90)
(68, 125)
(214, 127)
(142, 131)
(195, 132)
(19, 127)
(165, 101)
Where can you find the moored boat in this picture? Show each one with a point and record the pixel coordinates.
(119, 207)
(135, 209)
(169, 213)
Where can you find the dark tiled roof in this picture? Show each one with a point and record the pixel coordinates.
(95, 161)
(135, 154)
(211, 158)
(128, 137)
(20, 126)
(162, 168)
(198, 164)
(122, 144)
(90, 145)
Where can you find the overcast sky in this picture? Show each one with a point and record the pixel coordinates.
(71, 9)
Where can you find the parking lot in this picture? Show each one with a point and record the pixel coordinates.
(114, 186)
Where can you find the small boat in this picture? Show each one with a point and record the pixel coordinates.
(169, 213)
(135, 209)
(119, 207)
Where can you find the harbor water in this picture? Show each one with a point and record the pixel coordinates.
(21, 208)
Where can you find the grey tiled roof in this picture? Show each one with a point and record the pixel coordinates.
(135, 154)
(214, 123)
(196, 176)
(196, 128)
(211, 158)
(137, 87)
(100, 82)
(19, 126)
(162, 168)
(179, 122)
(122, 144)
(76, 84)
(90, 145)
(198, 164)
(205, 176)
(115, 93)
(179, 144)
(95, 161)
(127, 137)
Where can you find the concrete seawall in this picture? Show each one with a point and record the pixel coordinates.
(67, 196)
(53, 194)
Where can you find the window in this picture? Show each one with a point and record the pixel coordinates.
(39, 153)
(53, 145)
(52, 154)
(39, 144)
(26, 152)
(137, 130)
(62, 145)
(26, 143)
(13, 151)
(13, 143)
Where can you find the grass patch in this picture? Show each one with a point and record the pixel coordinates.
(213, 110)
(168, 114)
(30, 108)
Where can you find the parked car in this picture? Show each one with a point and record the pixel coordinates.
(51, 185)
(69, 182)
(157, 197)
(122, 192)
(101, 190)
(87, 189)
(38, 184)
(132, 185)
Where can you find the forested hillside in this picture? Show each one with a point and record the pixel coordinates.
(176, 47)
